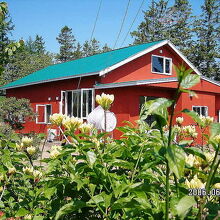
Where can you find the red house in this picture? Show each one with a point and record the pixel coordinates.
(130, 73)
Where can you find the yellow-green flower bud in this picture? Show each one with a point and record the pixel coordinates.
(54, 154)
(179, 120)
(31, 150)
(37, 174)
(72, 123)
(195, 183)
(105, 100)
(1, 188)
(85, 128)
(217, 186)
(28, 170)
(2, 177)
(11, 170)
(26, 141)
(57, 119)
(190, 160)
(209, 157)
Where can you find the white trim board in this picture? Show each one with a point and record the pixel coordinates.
(135, 83)
(139, 54)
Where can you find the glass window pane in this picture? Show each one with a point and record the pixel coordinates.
(48, 113)
(69, 103)
(167, 65)
(75, 107)
(84, 104)
(90, 101)
(79, 104)
(157, 63)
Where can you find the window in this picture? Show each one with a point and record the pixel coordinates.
(150, 119)
(43, 113)
(78, 103)
(201, 110)
(161, 65)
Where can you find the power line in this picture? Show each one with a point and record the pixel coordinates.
(97, 15)
(132, 22)
(122, 24)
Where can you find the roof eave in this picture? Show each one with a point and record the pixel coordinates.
(51, 80)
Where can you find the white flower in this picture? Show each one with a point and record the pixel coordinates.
(26, 141)
(85, 127)
(217, 138)
(195, 183)
(11, 170)
(72, 123)
(179, 120)
(28, 170)
(56, 147)
(217, 186)
(37, 174)
(190, 160)
(57, 119)
(31, 150)
(54, 154)
(105, 100)
(209, 156)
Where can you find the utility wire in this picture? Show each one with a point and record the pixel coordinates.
(132, 23)
(122, 24)
(97, 15)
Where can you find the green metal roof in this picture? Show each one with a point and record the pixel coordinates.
(84, 66)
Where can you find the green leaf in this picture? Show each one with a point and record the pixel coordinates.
(215, 129)
(97, 199)
(189, 81)
(184, 205)
(122, 163)
(38, 218)
(69, 208)
(21, 212)
(91, 158)
(176, 160)
(195, 151)
(194, 116)
(48, 192)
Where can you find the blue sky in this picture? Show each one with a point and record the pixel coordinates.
(47, 17)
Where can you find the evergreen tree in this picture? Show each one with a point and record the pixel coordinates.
(67, 44)
(39, 45)
(6, 27)
(91, 48)
(207, 46)
(181, 25)
(78, 52)
(153, 27)
(105, 48)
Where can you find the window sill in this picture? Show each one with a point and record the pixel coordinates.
(168, 74)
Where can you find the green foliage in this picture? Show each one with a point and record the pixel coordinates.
(14, 111)
(28, 58)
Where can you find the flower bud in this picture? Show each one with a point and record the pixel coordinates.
(217, 186)
(195, 183)
(209, 156)
(54, 154)
(1, 177)
(31, 150)
(26, 141)
(28, 170)
(190, 160)
(179, 120)
(37, 174)
(11, 170)
(85, 128)
(1, 189)
(56, 119)
(105, 100)
(217, 138)
(72, 123)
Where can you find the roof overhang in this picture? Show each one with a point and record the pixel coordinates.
(154, 47)
(51, 80)
(135, 83)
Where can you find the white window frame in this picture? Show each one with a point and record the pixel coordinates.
(201, 106)
(64, 93)
(164, 65)
(45, 113)
(219, 116)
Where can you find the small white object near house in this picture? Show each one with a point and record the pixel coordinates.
(51, 134)
(96, 117)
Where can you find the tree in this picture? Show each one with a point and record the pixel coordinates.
(6, 27)
(14, 111)
(181, 25)
(67, 44)
(26, 60)
(91, 47)
(153, 27)
(39, 45)
(106, 48)
(207, 47)
(78, 52)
